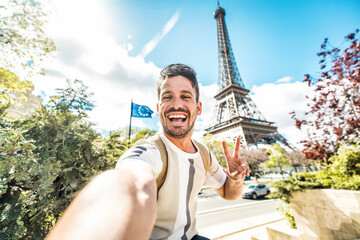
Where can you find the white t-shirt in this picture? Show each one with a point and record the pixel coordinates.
(185, 176)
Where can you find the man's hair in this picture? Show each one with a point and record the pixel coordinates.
(178, 69)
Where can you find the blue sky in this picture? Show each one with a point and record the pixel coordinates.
(279, 37)
(119, 46)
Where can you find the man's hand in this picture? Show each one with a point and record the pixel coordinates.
(238, 167)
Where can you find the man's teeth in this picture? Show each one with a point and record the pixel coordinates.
(177, 116)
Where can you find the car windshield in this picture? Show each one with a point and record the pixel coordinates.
(251, 186)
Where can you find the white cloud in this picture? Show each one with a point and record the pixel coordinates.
(207, 94)
(157, 38)
(130, 47)
(276, 101)
(286, 79)
(86, 51)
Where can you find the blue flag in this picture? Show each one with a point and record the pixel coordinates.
(140, 111)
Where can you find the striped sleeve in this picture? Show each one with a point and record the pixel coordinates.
(215, 176)
(145, 152)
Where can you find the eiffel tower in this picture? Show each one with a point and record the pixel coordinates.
(235, 114)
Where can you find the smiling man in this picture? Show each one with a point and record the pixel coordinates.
(128, 203)
(178, 107)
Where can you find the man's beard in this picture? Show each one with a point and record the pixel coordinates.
(175, 133)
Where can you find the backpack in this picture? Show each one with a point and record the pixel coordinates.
(156, 140)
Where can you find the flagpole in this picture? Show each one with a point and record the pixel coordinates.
(131, 113)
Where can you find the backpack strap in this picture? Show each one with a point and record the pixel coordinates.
(156, 139)
(205, 155)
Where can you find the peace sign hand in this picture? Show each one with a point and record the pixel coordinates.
(237, 166)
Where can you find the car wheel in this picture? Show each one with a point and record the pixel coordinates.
(254, 196)
(268, 192)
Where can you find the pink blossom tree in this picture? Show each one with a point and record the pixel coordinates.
(334, 109)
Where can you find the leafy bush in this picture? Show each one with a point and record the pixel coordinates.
(342, 174)
(45, 159)
(308, 180)
(347, 161)
(287, 211)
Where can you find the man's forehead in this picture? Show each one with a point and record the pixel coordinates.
(178, 82)
(165, 91)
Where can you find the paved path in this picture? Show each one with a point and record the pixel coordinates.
(220, 218)
(259, 232)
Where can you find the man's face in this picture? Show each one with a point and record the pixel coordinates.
(177, 107)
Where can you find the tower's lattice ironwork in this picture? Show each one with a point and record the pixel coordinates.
(235, 114)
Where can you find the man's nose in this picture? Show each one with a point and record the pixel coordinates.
(177, 103)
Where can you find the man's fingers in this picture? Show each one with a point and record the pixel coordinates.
(226, 151)
(242, 160)
(242, 169)
(237, 147)
(235, 164)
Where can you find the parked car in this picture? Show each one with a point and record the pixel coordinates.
(255, 190)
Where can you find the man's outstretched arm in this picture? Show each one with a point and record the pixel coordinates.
(117, 204)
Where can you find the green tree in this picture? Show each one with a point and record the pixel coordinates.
(277, 158)
(24, 44)
(113, 146)
(116, 144)
(142, 134)
(347, 160)
(45, 159)
(9, 83)
(215, 147)
(16, 153)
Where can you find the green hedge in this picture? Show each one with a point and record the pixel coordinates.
(310, 180)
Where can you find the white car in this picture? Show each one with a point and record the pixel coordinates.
(255, 190)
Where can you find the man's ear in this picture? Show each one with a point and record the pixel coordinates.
(157, 109)
(199, 108)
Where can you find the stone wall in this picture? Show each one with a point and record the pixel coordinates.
(327, 214)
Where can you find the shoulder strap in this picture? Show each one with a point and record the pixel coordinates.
(156, 139)
(205, 155)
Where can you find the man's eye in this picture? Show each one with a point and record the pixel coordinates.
(166, 97)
